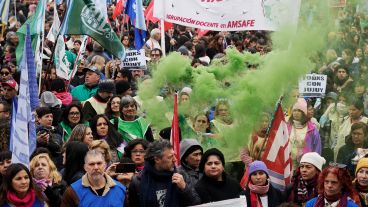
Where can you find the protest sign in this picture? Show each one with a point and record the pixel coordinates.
(134, 59)
(313, 85)
(227, 203)
(234, 15)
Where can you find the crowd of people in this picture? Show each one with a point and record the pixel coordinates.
(95, 146)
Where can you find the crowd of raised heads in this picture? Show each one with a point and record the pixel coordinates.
(96, 147)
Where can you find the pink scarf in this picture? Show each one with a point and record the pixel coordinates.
(27, 201)
(255, 191)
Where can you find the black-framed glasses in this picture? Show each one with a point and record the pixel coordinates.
(5, 73)
(74, 113)
(338, 165)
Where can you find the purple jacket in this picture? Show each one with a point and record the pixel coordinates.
(312, 140)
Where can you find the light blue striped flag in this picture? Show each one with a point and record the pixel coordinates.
(23, 136)
(4, 11)
(134, 9)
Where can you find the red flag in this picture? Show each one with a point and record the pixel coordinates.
(202, 32)
(118, 9)
(148, 13)
(277, 155)
(175, 131)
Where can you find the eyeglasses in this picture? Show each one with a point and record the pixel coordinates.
(4, 73)
(338, 165)
(139, 151)
(74, 114)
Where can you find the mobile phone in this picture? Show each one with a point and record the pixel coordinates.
(125, 168)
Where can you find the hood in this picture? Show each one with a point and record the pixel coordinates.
(187, 146)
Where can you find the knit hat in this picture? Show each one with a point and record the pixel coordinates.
(257, 166)
(12, 84)
(362, 163)
(106, 86)
(301, 104)
(57, 85)
(122, 86)
(314, 158)
(188, 146)
(207, 154)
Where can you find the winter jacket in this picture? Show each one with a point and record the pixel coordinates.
(274, 197)
(313, 201)
(210, 190)
(150, 188)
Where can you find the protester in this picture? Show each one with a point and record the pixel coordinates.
(81, 133)
(90, 86)
(17, 188)
(71, 117)
(136, 150)
(159, 184)
(73, 161)
(360, 184)
(215, 184)
(334, 188)
(47, 179)
(259, 191)
(5, 162)
(305, 180)
(95, 188)
(113, 107)
(190, 156)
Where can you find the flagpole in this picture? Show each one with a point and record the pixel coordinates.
(162, 22)
(41, 53)
(15, 9)
(269, 128)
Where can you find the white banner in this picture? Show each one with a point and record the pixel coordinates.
(224, 15)
(313, 85)
(227, 203)
(134, 59)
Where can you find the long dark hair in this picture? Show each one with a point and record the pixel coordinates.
(108, 110)
(67, 110)
(74, 159)
(11, 172)
(114, 139)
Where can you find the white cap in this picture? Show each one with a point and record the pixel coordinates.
(315, 159)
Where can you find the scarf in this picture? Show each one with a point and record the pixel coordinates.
(342, 203)
(42, 182)
(305, 190)
(255, 191)
(363, 193)
(27, 201)
(298, 124)
(151, 180)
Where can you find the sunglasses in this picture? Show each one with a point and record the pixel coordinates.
(5, 73)
(338, 165)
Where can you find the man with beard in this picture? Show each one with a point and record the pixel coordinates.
(95, 188)
(159, 184)
(304, 186)
(97, 103)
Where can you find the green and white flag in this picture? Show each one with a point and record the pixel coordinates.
(54, 30)
(61, 62)
(83, 18)
(36, 23)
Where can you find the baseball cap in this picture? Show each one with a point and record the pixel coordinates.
(93, 69)
(12, 83)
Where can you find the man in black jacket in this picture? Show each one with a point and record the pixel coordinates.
(158, 184)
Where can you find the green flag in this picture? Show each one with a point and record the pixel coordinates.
(36, 23)
(83, 18)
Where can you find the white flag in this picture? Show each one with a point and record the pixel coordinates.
(54, 30)
(61, 62)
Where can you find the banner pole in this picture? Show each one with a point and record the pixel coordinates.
(162, 23)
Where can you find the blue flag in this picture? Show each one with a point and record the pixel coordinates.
(134, 9)
(23, 133)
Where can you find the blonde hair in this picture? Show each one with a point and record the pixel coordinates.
(104, 146)
(97, 60)
(54, 174)
(331, 55)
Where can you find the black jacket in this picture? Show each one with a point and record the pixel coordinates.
(275, 197)
(210, 190)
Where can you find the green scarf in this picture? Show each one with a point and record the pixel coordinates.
(131, 130)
